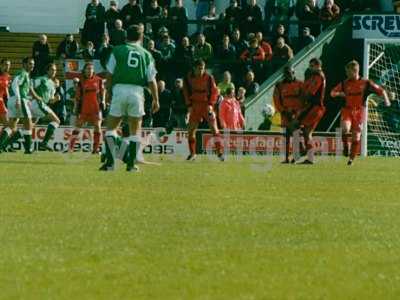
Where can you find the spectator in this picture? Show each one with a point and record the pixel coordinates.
(163, 31)
(118, 34)
(89, 52)
(239, 44)
(209, 28)
(131, 14)
(264, 45)
(309, 13)
(202, 9)
(165, 4)
(241, 98)
(161, 118)
(184, 56)
(68, 48)
(306, 39)
(155, 53)
(202, 49)
(111, 15)
(252, 18)
(250, 85)
(280, 32)
(226, 83)
(41, 54)
(154, 13)
(230, 114)
(253, 57)
(167, 49)
(232, 16)
(146, 38)
(93, 28)
(226, 53)
(178, 14)
(282, 54)
(271, 11)
(329, 13)
(179, 110)
(105, 49)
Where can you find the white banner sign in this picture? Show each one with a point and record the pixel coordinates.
(172, 144)
(376, 26)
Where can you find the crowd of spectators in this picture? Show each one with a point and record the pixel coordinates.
(242, 45)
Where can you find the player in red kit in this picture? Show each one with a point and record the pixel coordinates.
(5, 80)
(201, 94)
(90, 96)
(355, 91)
(313, 95)
(287, 101)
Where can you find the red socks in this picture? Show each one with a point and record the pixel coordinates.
(355, 149)
(218, 143)
(192, 146)
(346, 141)
(96, 141)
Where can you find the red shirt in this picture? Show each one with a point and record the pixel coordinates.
(200, 89)
(314, 89)
(5, 80)
(356, 91)
(88, 92)
(267, 50)
(287, 96)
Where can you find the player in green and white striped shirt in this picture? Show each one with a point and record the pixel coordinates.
(130, 68)
(45, 88)
(18, 107)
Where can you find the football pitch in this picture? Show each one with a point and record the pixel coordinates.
(243, 229)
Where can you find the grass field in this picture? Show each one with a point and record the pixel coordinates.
(203, 230)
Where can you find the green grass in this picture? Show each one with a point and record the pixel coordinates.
(203, 230)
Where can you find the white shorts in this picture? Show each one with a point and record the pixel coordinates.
(23, 112)
(39, 109)
(127, 100)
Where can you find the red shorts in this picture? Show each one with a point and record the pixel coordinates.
(3, 108)
(355, 116)
(312, 117)
(198, 113)
(90, 118)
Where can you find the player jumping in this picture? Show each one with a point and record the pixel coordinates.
(288, 103)
(313, 94)
(130, 68)
(355, 91)
(201, 95)
(90, 96)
